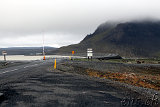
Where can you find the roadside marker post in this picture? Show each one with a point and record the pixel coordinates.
(72, 54)
(55, 64)
(44, 58)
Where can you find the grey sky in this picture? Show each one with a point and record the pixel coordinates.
(64, 22)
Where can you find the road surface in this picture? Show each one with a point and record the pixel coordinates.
(37, 84)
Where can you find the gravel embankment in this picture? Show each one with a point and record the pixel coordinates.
(80, 66)
(111, 67)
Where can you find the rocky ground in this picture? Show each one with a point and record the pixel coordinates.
(68, 85)
(130, 76)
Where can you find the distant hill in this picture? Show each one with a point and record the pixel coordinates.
(130, 39)
(26, 50)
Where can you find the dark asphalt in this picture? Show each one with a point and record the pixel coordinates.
(37, 85)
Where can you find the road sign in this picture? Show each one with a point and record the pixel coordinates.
(4, 53)
(89, 53)
(72, 52)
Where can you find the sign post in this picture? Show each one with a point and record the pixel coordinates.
(4, 53)
(72, 54)
(89, 53)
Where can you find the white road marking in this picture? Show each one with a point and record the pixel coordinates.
(8, 71)
(26, 67)
(106, 102)
(17, 69)
(84, 92)
(5, 72)
(14, 70)
(102, 91)
(30, 66)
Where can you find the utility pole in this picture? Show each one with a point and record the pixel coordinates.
(43, 48)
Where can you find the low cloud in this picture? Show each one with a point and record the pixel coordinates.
(65, 21)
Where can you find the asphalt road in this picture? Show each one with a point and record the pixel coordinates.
(37, 84)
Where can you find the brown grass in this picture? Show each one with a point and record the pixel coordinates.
(145, 80)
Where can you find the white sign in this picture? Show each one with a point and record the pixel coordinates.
(89, 52)
(4, 53)
(89, 49)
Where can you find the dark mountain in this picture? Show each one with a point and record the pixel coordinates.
(26, 50)
(140, 39)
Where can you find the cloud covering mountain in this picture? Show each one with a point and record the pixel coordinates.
(130, 39)
(23, 22)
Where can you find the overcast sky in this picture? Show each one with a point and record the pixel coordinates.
(64, 22)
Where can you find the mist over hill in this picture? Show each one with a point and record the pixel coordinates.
(130, 39)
